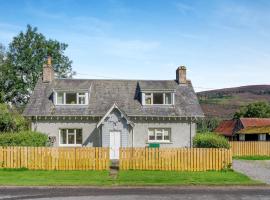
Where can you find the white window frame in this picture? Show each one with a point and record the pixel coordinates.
(155, 133)
(78, 94)
(75, 137)
(152, 98)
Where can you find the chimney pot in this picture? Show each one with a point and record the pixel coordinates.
(181, 75)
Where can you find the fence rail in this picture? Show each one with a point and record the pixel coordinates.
(53, 158)
(250, 148)
(174, 159)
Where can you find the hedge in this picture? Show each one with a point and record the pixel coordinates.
(24, 138)
(210, 140)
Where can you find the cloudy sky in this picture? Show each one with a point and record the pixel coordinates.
(223, 43)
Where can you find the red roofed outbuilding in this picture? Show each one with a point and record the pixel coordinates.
(246, 129)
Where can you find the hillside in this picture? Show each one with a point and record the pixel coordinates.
(224, 102)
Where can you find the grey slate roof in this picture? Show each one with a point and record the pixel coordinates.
(104, 93)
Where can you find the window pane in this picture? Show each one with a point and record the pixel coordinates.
(159, 134)
(166, 134)
(157, 98)
(81, 100)
(241, 137)
(60, 98)
(148, 98)
(262, 137)
(71, 98)
(168, 98)
(79, 136)
(63, 136)
(71, 139)
(71, 136)
(151, 134)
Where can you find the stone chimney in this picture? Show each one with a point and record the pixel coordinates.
(48, 72)
(181, 75)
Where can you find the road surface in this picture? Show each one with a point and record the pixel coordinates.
(139, 193)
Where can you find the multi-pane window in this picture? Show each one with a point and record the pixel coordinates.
(159, 135)
(71, 98)
(70, 137)
(158, 98)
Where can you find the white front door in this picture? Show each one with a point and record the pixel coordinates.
(114, 144)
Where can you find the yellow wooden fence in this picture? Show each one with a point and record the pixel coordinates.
(250, 148)
(174, 159)
(55, 158)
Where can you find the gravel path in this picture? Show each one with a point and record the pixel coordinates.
(255, 169)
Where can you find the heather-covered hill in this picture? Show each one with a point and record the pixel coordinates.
(224, 102)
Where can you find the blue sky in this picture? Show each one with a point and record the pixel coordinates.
(223, 43)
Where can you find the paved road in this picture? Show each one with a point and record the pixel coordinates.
(255, 169)
(148, 193)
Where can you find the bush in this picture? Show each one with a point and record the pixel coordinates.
(11, 120)
(24, 138)
(210, 140)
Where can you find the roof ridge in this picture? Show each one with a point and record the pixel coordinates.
(80, 79)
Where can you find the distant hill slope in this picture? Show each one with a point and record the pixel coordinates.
(224, 102)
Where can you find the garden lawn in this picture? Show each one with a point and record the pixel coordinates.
(128, 178)
(251, 157)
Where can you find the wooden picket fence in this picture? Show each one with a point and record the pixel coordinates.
(174, 159)
(55, 158)
(250, 148)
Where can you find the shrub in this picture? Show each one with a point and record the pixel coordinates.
(210, 140)
(24, 138)
(11, 120)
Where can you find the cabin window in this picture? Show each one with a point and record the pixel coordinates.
(71, 98)
(159, 135)
(158, 98)
(262, 137)
(70, 137)
(241, 137)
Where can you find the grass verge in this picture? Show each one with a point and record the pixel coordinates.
(128, 178)
(251, 157)
(183, 178)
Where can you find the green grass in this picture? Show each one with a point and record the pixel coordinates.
(39, 177)
(129, 178)
(251, 157)
(183, 178)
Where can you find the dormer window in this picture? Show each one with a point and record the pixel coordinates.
(158, 98)
(71, 98)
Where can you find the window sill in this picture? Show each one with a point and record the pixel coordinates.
(71, 104)
(70, 145)
(159, 142)
(157, 105)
